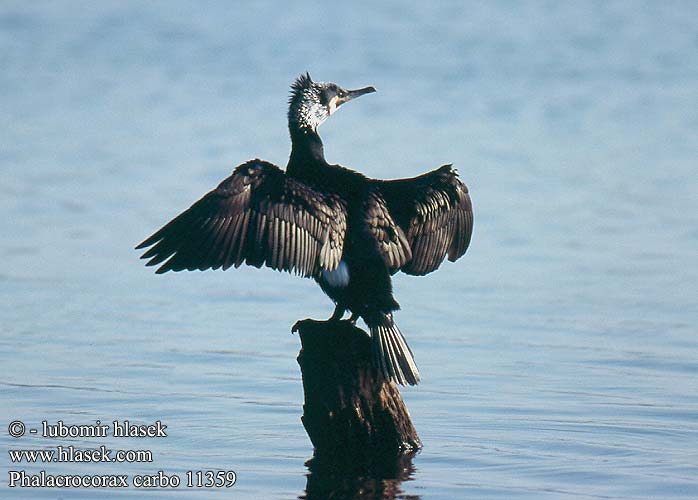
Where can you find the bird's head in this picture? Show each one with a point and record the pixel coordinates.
(311, 103)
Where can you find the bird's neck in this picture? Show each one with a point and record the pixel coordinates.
(307, 153)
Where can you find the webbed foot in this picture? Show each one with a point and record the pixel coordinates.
(299, 324)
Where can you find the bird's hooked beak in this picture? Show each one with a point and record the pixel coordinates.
(351, 94)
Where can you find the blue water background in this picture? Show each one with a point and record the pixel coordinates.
(559, 356)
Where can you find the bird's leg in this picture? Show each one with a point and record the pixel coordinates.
(337, 314)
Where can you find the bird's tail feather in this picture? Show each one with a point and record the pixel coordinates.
(391, 354)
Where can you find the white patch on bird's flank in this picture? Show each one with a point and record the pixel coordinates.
(339, 278)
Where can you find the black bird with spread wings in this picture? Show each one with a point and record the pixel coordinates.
(348, 232)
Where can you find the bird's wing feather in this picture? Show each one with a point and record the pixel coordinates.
(259, 216)
(435, 212)
(389, 238)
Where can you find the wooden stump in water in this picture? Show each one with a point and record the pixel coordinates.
(350, 410)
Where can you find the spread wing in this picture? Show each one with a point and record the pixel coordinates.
(435, 212)
(259, 216)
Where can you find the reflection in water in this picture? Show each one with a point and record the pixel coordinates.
(351, 478)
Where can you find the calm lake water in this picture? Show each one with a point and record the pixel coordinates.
(559, 356)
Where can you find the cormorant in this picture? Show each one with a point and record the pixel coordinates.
(348, 232)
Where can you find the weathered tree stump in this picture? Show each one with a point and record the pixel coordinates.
(350, 409)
